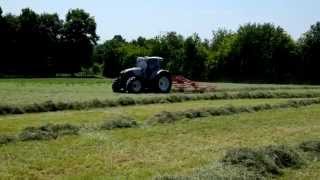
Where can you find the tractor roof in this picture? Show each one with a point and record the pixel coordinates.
(151, 57)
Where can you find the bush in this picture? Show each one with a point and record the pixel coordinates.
(118, 123)
(48, 132)
(6, 139)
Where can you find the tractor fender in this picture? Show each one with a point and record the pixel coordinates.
(160, 72)
(132, 71)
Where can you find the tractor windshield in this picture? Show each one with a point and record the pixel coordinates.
(141, 63)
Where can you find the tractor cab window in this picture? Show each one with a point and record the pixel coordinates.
(142, 63)
(153, 64)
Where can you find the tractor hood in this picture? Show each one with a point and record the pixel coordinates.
(135, 70)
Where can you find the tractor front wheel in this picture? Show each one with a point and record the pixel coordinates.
(116, 86)
(134, 85)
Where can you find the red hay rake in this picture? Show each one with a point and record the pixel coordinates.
(182, 84)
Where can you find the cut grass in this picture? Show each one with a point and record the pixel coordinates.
(172, 117)
(66, 90)
(50, 106)
(16, 123)
(120, 122)
(252, 86)
(267, 161)
(310, 172)
(263, 163)
(247, 163)
(145, 153)
(6, 139)
(48, 132)
(311, 146)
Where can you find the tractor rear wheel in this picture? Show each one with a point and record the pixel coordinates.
(164, 83)
(134, 85)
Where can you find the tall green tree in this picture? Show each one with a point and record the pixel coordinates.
(118, 54)
(262, 52)
(79, 38)
(50, 29)
(195, 58)
(219, 53)
(171, 47)
(309, 45)
(111, 55)
(29, 42)
(3, 42)
(44, 44)
(9, 44)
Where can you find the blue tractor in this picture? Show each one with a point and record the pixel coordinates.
(147, 76)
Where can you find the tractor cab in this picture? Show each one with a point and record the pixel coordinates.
(149, 63)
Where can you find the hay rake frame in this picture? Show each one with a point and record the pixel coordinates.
(183, 84)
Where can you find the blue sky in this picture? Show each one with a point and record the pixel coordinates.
(152, 17)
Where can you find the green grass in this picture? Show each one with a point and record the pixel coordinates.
(15, 123)
(157, 150)
(146, 151)
(237, 86)
(29, 91)
(309, 172)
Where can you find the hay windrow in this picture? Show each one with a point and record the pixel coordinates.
(247, 163)
(311, 146)
(6, 139)
(51, 106)
(166, 117)
(48, 132)
(121, 122)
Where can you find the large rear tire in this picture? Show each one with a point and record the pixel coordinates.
(163, 83)
(134, 85)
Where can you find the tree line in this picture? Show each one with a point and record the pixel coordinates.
(44, 44)
(34, 43)
(255, 52)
